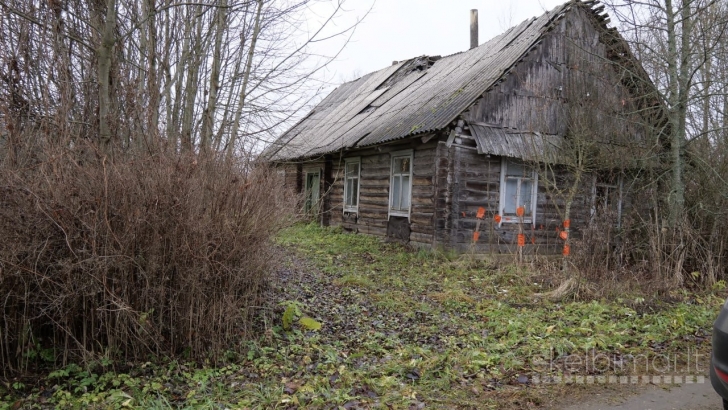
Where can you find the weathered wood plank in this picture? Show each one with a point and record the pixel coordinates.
(423, 238)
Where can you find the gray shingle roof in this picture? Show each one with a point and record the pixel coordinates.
(412, 97)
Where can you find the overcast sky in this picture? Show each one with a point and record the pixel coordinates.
(401, 29)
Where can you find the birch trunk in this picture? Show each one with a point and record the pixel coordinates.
(678, 66)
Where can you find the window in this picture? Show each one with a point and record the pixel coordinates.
(607, 197)
(312, 189)
(519, 185)
(281, 172)
(352, 167)
(400, 188)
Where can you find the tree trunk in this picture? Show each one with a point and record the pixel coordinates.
(573, 189)
(193, 69)
(246, 78)
(174, 126)
(104, 76)
(210, 111)
(149, 137)
(170, 128)
(678, 89)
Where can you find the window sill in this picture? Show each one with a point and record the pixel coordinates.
(351, 210)
(399, 213)
(515, 219)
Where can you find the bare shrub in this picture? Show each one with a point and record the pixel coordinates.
(648, 253)
(150, 255)
(602, 247)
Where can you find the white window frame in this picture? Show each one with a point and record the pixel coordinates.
(393, 156)
(347, 162)
(531, 219)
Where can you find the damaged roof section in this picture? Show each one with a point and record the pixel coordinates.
(557, 149)
(530, 146)
(422, 94)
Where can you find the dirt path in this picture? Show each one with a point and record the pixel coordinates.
(699, 396)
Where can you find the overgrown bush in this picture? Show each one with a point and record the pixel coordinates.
(145, 255)
(645, 247)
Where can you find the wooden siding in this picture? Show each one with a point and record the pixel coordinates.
(570, 64)
(372, 214)
(291, 175)
(534, 98)
(477, 184)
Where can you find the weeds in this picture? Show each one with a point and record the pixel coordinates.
(423, 329)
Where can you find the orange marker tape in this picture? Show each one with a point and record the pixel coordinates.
(567, 250)
(481, 213)
(567, 223)
(521, 239)
(520, 211)
(497, 218)
(563, 235)
(476, 235)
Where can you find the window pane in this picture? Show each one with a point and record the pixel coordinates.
(315, 185)
(515, 169)
(526, 196)
(352, 169)
(354, 191)
(312, 191)
(396, 185)
(607, 198)
(347, 196)
(401, 165)
(405, 193)
(511, 194)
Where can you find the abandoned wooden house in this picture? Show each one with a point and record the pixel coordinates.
(478, 150)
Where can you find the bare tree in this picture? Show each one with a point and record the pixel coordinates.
(676, 40)
(210, 75)
(682, 44)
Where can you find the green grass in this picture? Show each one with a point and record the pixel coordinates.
(400, 328)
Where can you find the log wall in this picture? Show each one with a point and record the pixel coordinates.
(372, 216)
(476, 183)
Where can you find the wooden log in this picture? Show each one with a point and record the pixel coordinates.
(423, 238)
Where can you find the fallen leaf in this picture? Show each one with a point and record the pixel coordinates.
(291, 387)
(309, 323)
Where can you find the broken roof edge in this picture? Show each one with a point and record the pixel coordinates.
(344, 151)
(559, 13)
(552, 149)
(552, 18)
